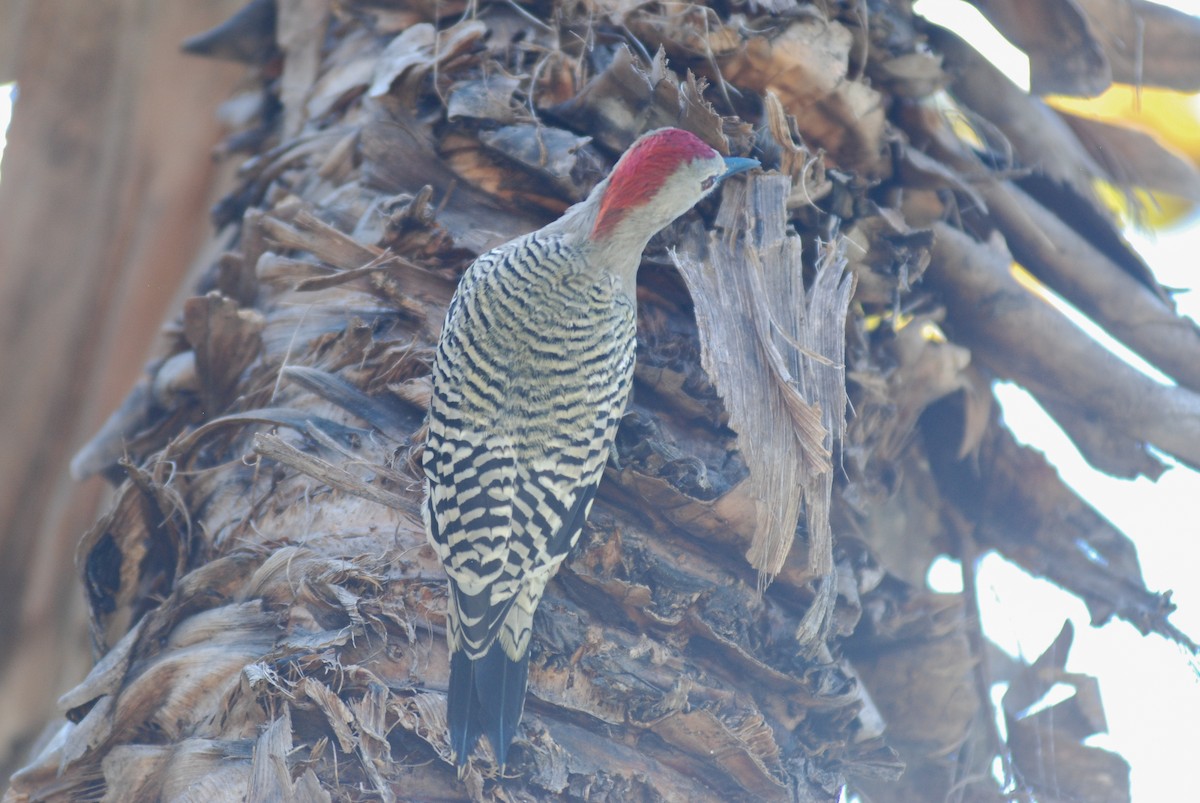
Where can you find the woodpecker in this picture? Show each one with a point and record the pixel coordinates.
(530, 379)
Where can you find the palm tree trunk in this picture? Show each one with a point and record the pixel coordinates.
(746, 617)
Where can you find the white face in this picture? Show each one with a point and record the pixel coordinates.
(685, 188)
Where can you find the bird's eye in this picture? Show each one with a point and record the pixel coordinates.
(707, 184)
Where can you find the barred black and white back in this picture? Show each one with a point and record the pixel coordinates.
(530, 379)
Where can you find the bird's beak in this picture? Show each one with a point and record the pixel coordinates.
(738, 164)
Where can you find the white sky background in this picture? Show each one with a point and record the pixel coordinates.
(5, 113)
(1151, 689)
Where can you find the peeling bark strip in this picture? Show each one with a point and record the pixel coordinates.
(776, 356)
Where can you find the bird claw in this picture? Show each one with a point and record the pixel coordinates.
(614, 457)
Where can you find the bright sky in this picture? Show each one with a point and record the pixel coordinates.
(1151, 689)
(6, 91)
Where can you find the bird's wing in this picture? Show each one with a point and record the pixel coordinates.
(503, 526)
(468, 511)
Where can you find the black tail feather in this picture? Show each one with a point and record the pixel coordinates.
(487, 696)
(461, 709)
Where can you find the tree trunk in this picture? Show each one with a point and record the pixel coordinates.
(746, 612)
